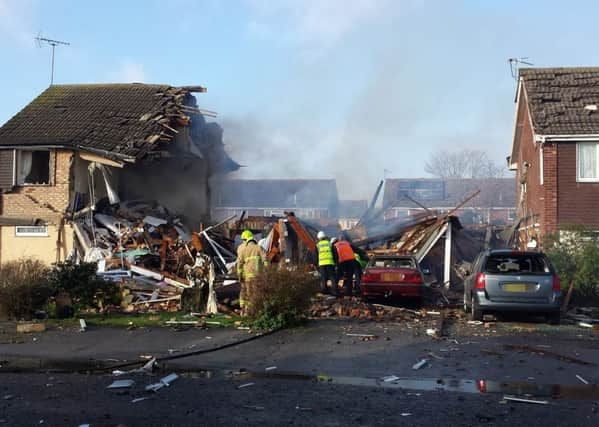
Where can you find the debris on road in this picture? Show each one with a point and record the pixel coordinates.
(245, 385)
(270, 368)
(431, 332)
(121, 384)
(147, 368)
(542, 352)
(164, 382)
(254, 407)
(390, 378)
(82, 325)
(420, 364)
(582, 380)
(30, 327)
(523, 400)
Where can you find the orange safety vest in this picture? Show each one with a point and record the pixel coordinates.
(344, 251)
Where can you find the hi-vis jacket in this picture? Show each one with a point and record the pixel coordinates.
(344, 251)
(325, 253)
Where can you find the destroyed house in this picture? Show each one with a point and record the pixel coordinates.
(77, 148)
(350, 212)
(555, 151)
(495, 204)
(307, 198)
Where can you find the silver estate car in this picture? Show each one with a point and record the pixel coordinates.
(507, 280)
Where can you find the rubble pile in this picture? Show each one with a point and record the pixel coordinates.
(159, 262)
(356, 308)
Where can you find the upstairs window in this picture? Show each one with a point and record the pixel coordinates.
(587, 161)
(33, 167)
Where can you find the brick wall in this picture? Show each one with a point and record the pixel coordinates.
(534, 199)
(550, 176)
(578, 202)
(46, 202)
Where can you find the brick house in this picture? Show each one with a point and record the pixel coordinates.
(76, 146)
(555, 151)
(309, 199)
(495, 204)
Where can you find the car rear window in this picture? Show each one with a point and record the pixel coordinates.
(393, 263)
(517, 263)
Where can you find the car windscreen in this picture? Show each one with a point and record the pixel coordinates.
(393, 263)
(517, 264)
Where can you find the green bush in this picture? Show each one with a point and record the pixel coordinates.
(24, 287)
(84, 287)
(280, 297)
(575, 256)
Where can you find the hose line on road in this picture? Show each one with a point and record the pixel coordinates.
(191, 353)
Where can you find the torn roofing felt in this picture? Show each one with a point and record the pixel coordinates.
(558, 96)
(120, 121)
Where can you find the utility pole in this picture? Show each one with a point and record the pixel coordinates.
(52, 43)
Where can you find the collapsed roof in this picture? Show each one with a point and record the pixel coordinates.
(124, 122)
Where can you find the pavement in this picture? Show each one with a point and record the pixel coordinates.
(332, 367)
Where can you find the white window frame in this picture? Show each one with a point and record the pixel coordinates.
(31, 231)
(578, 177)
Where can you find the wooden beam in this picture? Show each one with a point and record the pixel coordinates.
(102, 160)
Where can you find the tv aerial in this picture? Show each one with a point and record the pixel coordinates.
(515, 65)
(39, 40)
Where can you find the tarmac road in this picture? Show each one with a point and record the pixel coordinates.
(514, 358)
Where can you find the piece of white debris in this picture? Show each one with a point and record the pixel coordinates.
(121, 384)
(419, 364)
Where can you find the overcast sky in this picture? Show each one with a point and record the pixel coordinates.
(311, 88)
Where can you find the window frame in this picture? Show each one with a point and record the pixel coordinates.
(16, 165)
(578, 177)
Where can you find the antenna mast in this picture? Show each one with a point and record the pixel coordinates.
(515, 65)
(39, 40)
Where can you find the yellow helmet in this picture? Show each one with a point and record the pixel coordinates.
(247, 235)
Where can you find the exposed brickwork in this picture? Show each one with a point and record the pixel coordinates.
(532, 202)
(46, 202)
(550, 174)
(578, 202)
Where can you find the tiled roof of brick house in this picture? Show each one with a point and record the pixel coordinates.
(557, 98)
(123, 121)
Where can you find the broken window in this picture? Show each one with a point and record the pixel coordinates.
(33, 167)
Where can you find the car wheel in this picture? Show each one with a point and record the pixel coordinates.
(475, 312)
(554, 318)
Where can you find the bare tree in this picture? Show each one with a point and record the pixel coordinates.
(464, 163)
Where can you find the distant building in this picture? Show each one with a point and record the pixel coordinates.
(350, 212)
(307, 198)
(496, 203)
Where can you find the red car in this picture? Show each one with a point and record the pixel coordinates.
(392, 275)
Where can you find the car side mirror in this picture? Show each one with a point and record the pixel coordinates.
(426, 271)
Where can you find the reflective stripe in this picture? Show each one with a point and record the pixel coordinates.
(344, 251)
(325, 253)
(252, 266)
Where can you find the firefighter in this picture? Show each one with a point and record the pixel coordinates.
(347, 266)
(251, 258)
(326, 264)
